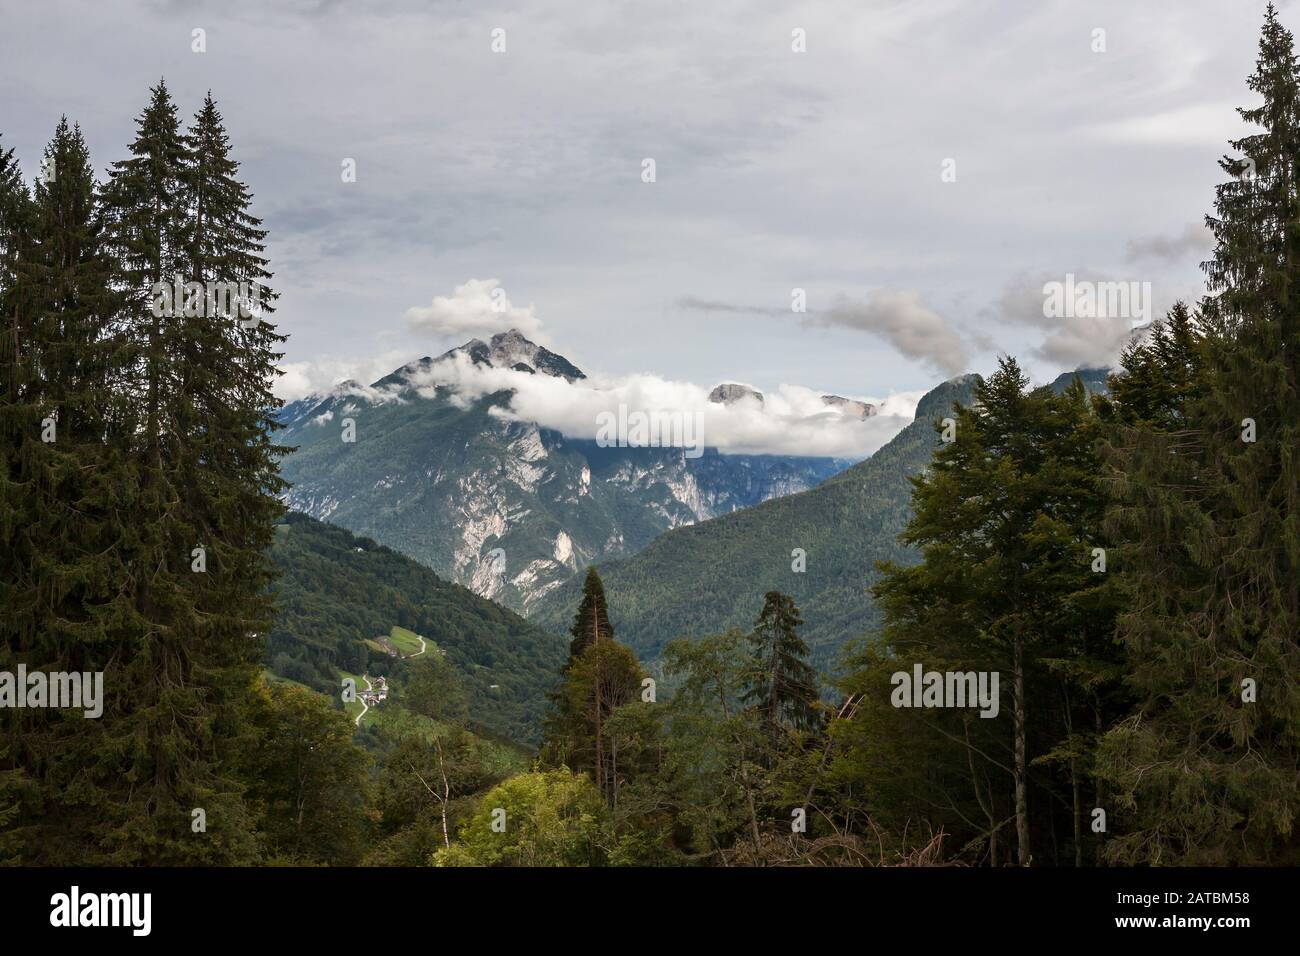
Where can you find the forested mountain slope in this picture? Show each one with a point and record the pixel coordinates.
(338, 593)
(704, 578)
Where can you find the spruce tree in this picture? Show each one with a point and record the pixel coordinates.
(782, 685)
(591, 623)
(228, 475)
(67, 495)
(600, 676)
(184, 671)
(1206, 770)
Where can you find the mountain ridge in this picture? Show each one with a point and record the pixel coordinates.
(708, 577)
(504, 506)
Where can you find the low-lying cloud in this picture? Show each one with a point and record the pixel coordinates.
(793, 419)
(1195, 242)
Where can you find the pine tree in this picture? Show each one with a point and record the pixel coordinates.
(183, 668)
(66, 484)
(591, 623)
(782, 685)
(1206, 769)
(600, 676)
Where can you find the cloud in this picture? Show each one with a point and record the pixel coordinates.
(479, 307)
(897, 316)
(1198, 124)
(1195, 240)
(300, 379)
(793, 420)
(770, 164)
(716, 305)
(905, 322)
(1081, 337)
(1086, 342)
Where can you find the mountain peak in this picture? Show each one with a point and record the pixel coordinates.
(514, 350)
(729, 392)
(850, 406)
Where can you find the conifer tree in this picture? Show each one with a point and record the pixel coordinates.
(591, 623)
(182, 669)
(1008, 520)
(782, 685)
(600, 676)
(67, 493)
(1206, 769)
(229, 475)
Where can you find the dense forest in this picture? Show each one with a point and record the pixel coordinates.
(1090, 656)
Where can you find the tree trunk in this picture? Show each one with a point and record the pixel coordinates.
(1078, 829)
(446, 794)
(1097, 784)
(600, 734)
(1022, 799)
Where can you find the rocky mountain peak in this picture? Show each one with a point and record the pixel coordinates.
(850, 406)
(729, 393)
(514, 350)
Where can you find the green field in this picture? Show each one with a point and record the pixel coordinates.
(408, 642)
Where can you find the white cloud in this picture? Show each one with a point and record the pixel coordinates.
(479, 307)
(300, 379)
(1077, 340)
(1195, 242)
(793, 420)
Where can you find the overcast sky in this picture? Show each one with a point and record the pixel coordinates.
(774, 169)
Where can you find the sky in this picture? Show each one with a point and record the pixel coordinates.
(915, 172)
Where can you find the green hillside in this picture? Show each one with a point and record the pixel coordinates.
(704, 578)
(338, 594)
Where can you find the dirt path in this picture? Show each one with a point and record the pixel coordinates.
(364, 706)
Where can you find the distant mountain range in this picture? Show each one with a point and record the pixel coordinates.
(705, 578)
(508, 508)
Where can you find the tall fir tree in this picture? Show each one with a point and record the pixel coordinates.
(601, 675)
(782, 685)
(182, 673)
(229, 474)
(70, 485)
(591, 623)
(1207, 770)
